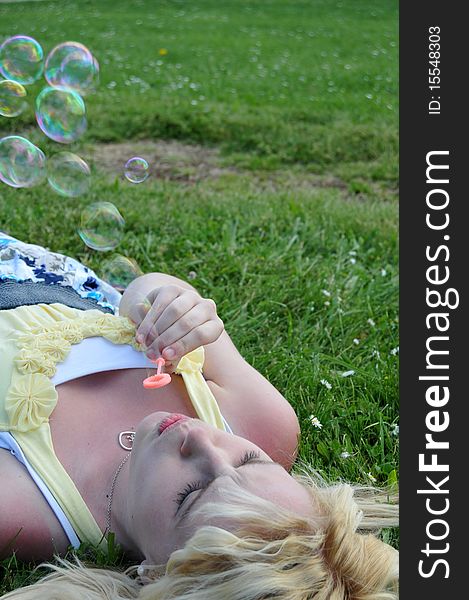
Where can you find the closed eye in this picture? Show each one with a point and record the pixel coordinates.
(204, 490)
(197, 485)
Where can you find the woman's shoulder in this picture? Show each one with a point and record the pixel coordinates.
(28, 525)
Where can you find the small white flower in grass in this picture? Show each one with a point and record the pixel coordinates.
(375, 353)
(353, 261)
(395, 351)
(371, 478)
(371, 322)
(327, 303)
(345, 454)
(395, 430)
(348, 373)
(356, 341)
(383, 272)
(353, 253)
(326, 383)
(315, 422)
(326, 293)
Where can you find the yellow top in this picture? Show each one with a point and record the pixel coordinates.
(33, 339)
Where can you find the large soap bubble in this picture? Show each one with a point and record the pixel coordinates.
(22, 164)
(68, 174)
(72, 65)
(61, 114)
(119, 271)
(12, 98)
(101, 226)
(21, 59)
(136, 169)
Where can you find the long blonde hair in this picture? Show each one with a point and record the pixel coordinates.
(269, 552)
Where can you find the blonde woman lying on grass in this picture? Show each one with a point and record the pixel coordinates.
(193, 478)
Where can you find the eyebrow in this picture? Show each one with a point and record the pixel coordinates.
(257, 461)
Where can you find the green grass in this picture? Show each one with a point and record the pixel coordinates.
(308, 82)
(298, 242)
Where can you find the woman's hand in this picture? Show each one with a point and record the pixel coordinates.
(177, 321)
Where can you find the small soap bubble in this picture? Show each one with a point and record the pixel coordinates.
(68, 174)
(61, 114)
(136, 169)
(71, 65)
(12, 98)
(101, 226)
(120, 271)
(22, 164)
(21, 59)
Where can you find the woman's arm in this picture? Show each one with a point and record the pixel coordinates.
(268, 419)
(28, 527)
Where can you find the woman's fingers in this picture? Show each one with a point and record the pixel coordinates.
(159, 299)
(190, 323)
(178, 321)
(176, 310)
(199, 336)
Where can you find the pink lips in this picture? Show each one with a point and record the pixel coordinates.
(170, 420)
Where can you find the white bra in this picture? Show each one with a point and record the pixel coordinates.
(96, 354)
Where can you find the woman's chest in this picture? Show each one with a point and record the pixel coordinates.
(92, 412)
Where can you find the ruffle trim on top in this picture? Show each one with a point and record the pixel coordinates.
(32, 397)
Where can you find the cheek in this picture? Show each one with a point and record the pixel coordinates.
(154, 495)
(158, 534)
(149, 517)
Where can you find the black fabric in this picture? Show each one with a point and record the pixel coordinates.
(20, 293)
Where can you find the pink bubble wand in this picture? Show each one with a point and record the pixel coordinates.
(158, 380)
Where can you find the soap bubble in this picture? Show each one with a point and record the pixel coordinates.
(136, 170)
(72, 65)
(22, 164)
(21, 59)
(68, 174)
(12, 98)
(61, 114)
(119, 271)
(102, 226)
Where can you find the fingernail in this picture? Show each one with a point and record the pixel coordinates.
(139, 338)
(169, 353)
(151, 355)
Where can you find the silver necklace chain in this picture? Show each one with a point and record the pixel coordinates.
(111, 493)
(130, 436)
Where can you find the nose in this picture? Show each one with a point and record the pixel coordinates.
(204, 444)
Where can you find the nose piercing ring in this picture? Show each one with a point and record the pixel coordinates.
(129, 436)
